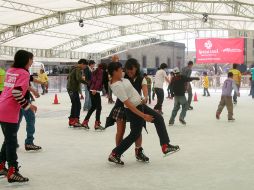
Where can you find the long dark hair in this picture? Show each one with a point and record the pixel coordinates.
(21, 58)
(130, 63)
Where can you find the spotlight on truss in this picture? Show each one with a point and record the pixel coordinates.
(81, 23)
(205, 17)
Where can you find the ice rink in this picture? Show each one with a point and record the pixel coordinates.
(215, 155)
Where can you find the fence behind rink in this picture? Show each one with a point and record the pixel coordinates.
(216, 82)
(58, 83)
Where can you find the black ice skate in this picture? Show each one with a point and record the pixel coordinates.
(140, 156)
(171, 123)
(169, 149)
(3, 169)
(14, 176)
(182, 121)
(98, 127)
(32, 147)
(113, 157)
(231, 119)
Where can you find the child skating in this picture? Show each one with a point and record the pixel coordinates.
(206, 84)
(137, 113)
(226, 97)
(178, 92)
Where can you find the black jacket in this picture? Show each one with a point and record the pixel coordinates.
(178, 84)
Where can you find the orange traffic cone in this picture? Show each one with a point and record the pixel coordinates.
(195, 97)
(56, 100)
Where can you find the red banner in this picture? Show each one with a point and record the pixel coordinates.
(220, 50)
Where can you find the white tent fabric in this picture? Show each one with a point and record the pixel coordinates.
(16, 13)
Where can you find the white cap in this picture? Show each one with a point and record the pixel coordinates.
(176, 70)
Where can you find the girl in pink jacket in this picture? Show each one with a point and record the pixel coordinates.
(12, 99)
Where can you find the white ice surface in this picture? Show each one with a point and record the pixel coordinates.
(215, 155)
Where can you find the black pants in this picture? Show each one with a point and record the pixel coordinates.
(96, 105)
(206, 92)
(75, 104)
(137, 123)
(43, 88)
(160, 98)
(9, 148)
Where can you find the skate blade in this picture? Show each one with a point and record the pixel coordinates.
(117, 164)
(2, 177)
(141, 161)
(172, 152)
(99, 131)
(16, 184)
(34, 151)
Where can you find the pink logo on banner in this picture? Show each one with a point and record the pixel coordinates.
(220, 50)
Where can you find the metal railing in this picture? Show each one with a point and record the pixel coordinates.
(58, 83)
(216, 82)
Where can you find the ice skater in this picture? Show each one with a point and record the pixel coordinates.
(137, 113)
(12, 99)
(226, 97)
(2, 77)
(237, 77)
(118, 113)
(73, 87)
(43, 78)
(178, 83)
(96, 86)
(30, 117)
(186, 71)
(160, 77)
(206, 84)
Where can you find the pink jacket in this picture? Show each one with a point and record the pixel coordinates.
(12, 98)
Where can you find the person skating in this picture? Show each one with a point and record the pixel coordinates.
(73, 87)
(226, 97)
(169, 85)
(96, 86)
(160, 77)
(178, 83)
(88, 75)
(118, 115)
(30, 117)
(237, 77)
(252, 82)
(12, 99)
(186, 71)
(2, 77)
(43, 78)
(137, 113)
(149, 87)
(205, 84)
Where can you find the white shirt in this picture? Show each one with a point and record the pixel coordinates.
(159, 78)
(124, 90)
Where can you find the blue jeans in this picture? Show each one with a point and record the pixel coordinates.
(87, 104)
(30, 124)
(179, 101)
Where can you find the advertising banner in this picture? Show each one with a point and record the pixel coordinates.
(220, 50)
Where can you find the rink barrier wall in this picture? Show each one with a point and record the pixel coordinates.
(58, 83)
